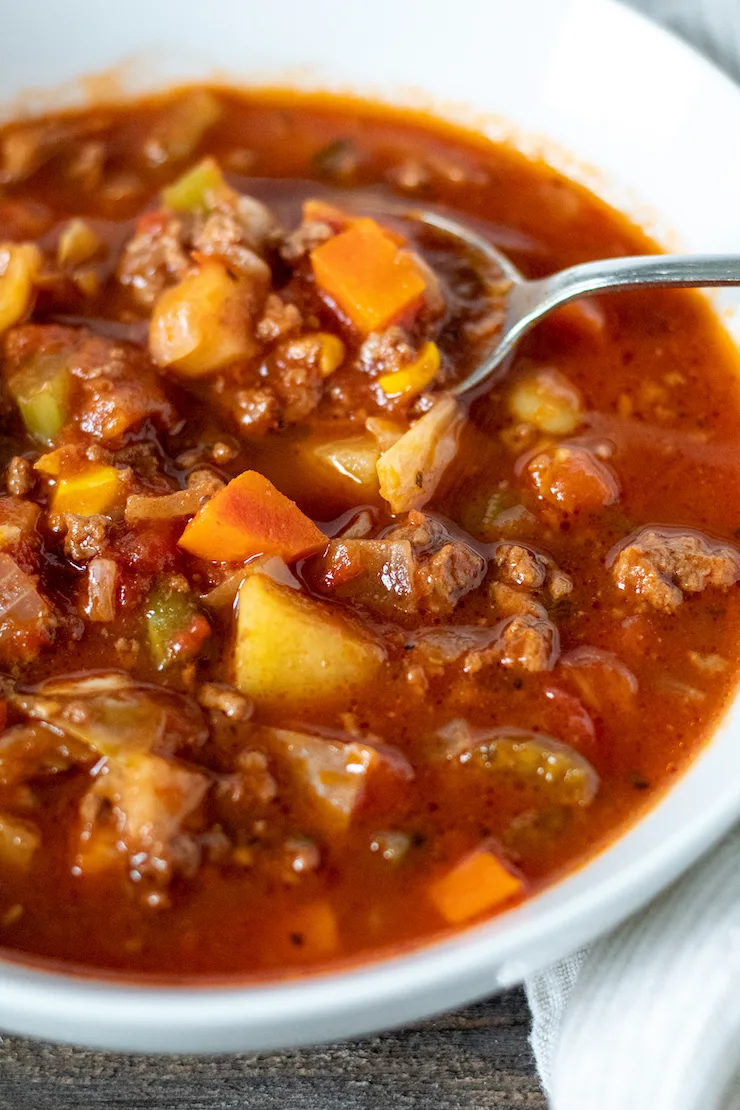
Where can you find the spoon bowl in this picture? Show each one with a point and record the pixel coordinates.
(526, 302)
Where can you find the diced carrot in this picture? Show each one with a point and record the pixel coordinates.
(414, 377)
(369, 278)
(478, 883)
(250, 517)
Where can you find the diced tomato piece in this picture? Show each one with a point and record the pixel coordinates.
(573, 479)
(571, 721)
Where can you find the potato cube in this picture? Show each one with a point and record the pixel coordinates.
(203, 323)
(333, 772)
(353, 459)
(290, 648)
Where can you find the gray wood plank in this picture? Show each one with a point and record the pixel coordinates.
(474, 1059)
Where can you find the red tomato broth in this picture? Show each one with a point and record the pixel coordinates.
(658, 382)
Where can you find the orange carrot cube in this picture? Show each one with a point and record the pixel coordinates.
(250, 517)
(475, 885)
(363, 270)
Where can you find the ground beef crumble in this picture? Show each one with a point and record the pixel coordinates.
(85, 536)
(445, 568)
(660, 567)
(20, 476)
(525, 642)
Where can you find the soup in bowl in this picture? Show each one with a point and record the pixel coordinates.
(315, 672)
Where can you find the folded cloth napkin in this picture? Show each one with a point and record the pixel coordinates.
(648, 1018)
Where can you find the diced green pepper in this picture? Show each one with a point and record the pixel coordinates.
(196, 189)
(41, 390)
(176, 628)
(181, 127)
(481, 511)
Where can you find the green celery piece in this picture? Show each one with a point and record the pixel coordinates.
(481, 510)
(182, 126)
(169, 613)
(41, 390)
(195, 190)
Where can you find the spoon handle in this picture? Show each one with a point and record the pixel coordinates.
(695, 270)
(529, 301)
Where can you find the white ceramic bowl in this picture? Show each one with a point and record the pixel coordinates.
(655, 121)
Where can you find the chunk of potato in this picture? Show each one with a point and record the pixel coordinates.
(19, 267)
(333, 772)
(203, 323)
(149, 800)
(355, 459)
(291, 648)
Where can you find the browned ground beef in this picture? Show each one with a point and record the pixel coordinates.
(385, 352)
(20, 476)
(663, 566)
(278, 319)
(526, 643)
(445, 568)
(154, 256)
(85, 536)
(304, 239)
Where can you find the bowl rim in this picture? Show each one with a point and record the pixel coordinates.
(421, 978)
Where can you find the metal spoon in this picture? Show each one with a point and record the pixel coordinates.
(527, 302)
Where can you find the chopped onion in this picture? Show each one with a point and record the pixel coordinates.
(101, 589)
(105, 682)
(224, 594)
(20, 601)
(184, 502)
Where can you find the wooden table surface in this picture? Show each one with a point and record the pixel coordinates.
(475, 1059)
